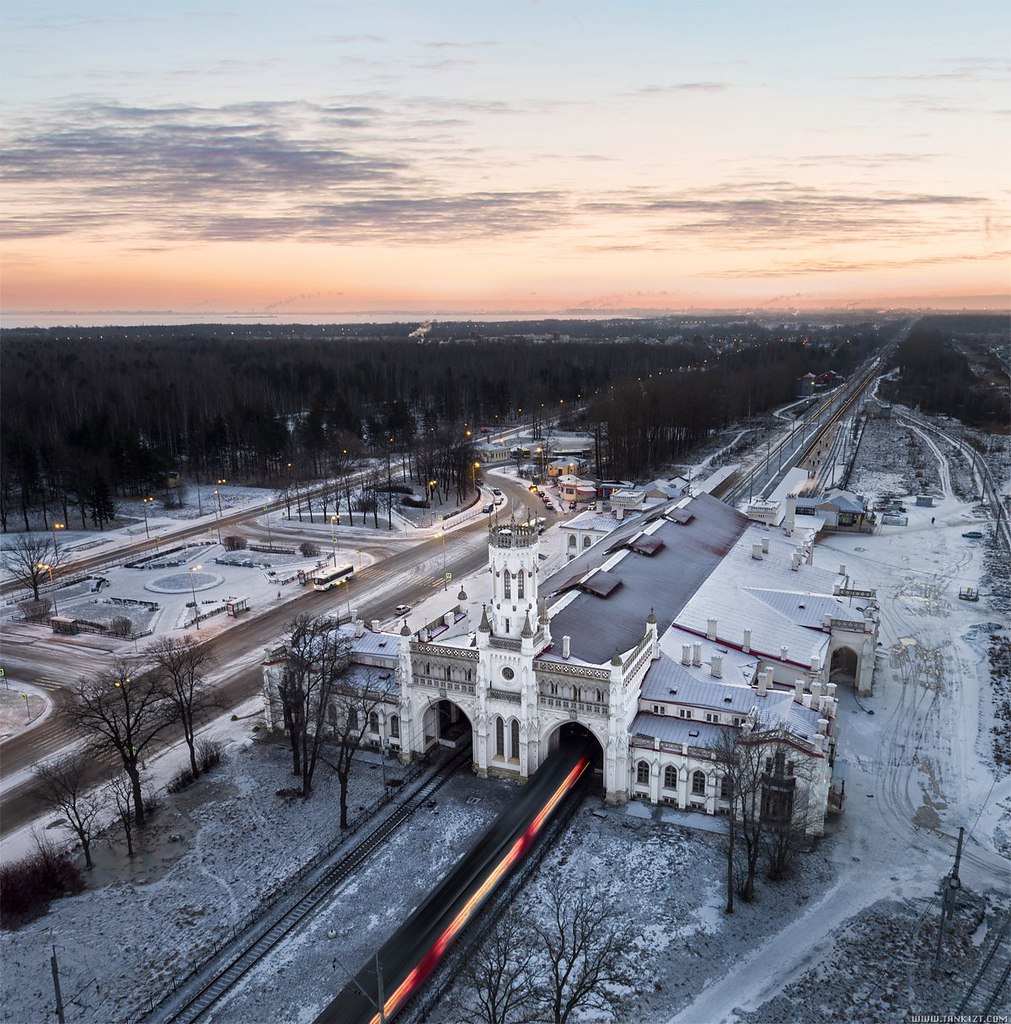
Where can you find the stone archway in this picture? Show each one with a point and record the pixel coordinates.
(576, 732)
(844, 666)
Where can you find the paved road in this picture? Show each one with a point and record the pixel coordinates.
(54, 663)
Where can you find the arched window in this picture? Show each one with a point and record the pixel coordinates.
(670, 777)
(642, 773)
(373, 722)
(499, 738)
(572, 540)
(520, 582)
(699, 783)
(725, 787)
(352, 718)
(514, 739)
(507, 587)
(587, 541)
(394, 727)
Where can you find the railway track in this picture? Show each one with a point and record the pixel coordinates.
(990, 980)
(267, 934)
(421, 1009)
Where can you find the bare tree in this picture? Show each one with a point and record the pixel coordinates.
(747, 804)
(353, 701)
(124, 797)
(499, 976)
(317, 659)
(123, 714)
(182, 664)
(584, 943)
(785, 807)
(725, 756)
(62, 789)
(31, 559)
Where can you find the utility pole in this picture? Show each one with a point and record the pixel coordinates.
(951, 885)
(56, 987)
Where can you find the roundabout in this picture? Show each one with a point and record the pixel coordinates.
(184, 582)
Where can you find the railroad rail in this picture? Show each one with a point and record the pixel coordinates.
(265, 935)
(991, 978)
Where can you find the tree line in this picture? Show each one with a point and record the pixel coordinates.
(90, 415)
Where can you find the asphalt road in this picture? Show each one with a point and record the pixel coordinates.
(53, 663)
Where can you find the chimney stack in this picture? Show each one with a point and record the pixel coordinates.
(784, 653)
(822, 726)
(566, 641)
(711, 628)
(600, 505)
(842, 569)
(756, 551)
(374, 625)
(815, 689)
(763, 683)
(620, 513)
(746, 643)
(697, 655)
(815, 664)
(717, 666)
(765, 545)
(798, 690)
(686, 654)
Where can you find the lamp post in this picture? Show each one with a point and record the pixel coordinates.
(445, 583)
(47, 567)
(217, 494)
(144, 504)
(477, 466)
(193, 591)
(56, 543)
(334, 522)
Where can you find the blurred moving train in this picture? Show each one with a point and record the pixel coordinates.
(417, 947)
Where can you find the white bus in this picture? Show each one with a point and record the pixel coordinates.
(327, 579)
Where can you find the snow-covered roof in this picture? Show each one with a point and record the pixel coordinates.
(598, 522)
(740, 594)
(738, 668)
(670, 681)
(376, 645)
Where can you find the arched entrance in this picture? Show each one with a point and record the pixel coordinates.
(446, 725)
(843, 667)
(576, 732)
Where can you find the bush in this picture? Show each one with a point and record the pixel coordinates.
(233, 543)
(180, 781)
(29, 885)
(121, 626)
(308, 549)
(208, 754)
(36, 611)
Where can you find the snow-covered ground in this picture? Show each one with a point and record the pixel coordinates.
(848, 937)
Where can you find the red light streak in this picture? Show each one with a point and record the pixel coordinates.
(464, 914)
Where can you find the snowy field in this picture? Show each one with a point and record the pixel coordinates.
(847, 938)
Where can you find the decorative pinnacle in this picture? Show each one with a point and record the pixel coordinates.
(485, 625)
(527, 628)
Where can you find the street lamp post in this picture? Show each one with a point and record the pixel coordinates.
(56, 543)
(193, 591)
(334, 522)
(144, 504)
(445, 582)
(217, 494)
(477, 466)
(47, 567)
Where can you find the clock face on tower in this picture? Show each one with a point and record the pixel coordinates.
(507, 673)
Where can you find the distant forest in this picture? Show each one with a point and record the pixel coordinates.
(947, 366)
(89, 414)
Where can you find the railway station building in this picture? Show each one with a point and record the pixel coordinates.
(685, 622)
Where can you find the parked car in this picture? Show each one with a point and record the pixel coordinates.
(549, 505)
(496, 492)
(401, 609)
(487, 508)
(499, 501)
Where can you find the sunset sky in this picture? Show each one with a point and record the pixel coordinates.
(287, 158)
